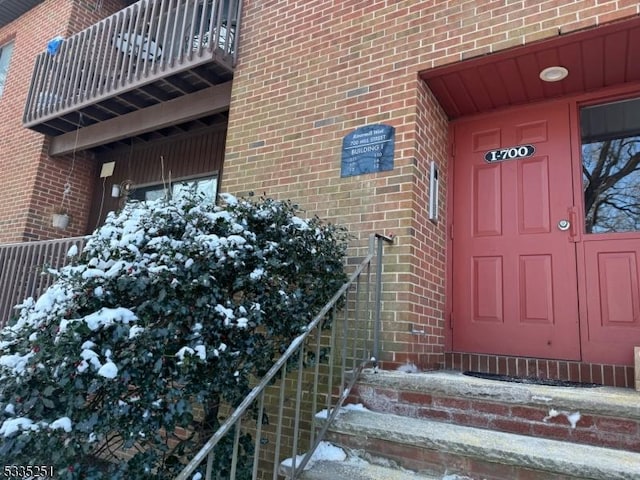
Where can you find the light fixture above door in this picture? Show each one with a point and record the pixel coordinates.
(554, 74)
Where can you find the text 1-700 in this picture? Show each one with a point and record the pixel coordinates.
(27, 471)
(510, 153)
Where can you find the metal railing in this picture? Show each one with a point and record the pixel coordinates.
(23, 270)
(344, 328)
(149, 39)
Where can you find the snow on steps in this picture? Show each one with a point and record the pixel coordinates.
(331, 463)
(441, 448)
(355, 469)
(602, 416)
(419, 426)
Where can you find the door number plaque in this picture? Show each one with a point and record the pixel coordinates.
(510, 153)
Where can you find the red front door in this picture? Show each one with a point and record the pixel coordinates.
(514, 289)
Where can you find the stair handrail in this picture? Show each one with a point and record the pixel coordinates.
(297, 343)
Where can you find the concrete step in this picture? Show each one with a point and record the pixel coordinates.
(357, 469)
(600, 416)
(330, 462)
(437, 448)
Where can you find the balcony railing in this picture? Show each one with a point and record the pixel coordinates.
(23, 270)
(147, 53)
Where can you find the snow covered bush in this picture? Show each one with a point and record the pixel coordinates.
(171, 309)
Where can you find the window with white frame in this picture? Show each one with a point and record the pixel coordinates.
(5, 57)
(205, 186)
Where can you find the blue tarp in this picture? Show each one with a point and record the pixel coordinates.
(54, 45)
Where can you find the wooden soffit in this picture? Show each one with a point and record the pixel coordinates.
(600, 57)
(12, 9)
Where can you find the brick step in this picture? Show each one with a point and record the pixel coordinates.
(600, 416)
(445, 450)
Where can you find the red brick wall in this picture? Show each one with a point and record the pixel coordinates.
(21, 151)
(32, 182)
(311, 71)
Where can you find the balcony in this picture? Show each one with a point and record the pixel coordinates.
(150, 53)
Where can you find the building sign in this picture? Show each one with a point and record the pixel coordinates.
(368, 149)
(511, 153)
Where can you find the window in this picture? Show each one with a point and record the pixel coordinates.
(611, 166)
(5, 57)
(207, 186)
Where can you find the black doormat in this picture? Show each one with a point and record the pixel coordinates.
(530, 380)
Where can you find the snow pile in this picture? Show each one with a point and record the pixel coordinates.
(24, 425)
(63, 423)
(105, 317)
(325, 451)
(108, 370)
(572, 417)
(353, 407)
(15, 425)
(16, 363)
(408, 367)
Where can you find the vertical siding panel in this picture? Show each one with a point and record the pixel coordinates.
(218, 151)
(199, 154)
(216, 154)
(171, 166)
(193, 154)
(208, 152)
(133, 161)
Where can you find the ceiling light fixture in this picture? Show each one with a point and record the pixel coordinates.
(554, 74)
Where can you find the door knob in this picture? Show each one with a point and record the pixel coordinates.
(564, 225)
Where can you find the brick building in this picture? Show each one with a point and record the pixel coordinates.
(527, 261)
